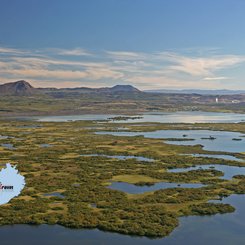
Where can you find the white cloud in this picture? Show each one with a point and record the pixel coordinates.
(202, 66)
(215, 78)
(158, 82)
(144, 70)
(5, 50)
(72, 52)
(123, 55)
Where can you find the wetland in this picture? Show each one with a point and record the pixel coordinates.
(139, 184)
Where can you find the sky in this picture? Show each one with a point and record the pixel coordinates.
(150, 44)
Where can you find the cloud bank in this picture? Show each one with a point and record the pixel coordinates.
(55, 67)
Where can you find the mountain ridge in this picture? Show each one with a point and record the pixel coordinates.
(24, 88)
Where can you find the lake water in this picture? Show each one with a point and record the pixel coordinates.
(45, 145)
(134, 189)
(120, 157)
(54, 194)
(225, 157)
(223, 140)
(30, 126)
(225, 229)
(229, 171)
(2, 137)
(168, 117)
(8, 146)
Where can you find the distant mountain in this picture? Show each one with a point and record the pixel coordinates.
(115, 89)
(124, 88)
(197, 91)
(116, 99)
(24, 88)
(17, 88)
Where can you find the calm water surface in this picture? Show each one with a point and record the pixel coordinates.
(171, 117)
(8, 146)
(225, 229)
(225, 157)
(120, 157)
(134, 189)
(221, 141)
(229, 171)
(54, 194)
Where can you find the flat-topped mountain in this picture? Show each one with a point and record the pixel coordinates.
(17, 88)
(115, 89)
(124, 88)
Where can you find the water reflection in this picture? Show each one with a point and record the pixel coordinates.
(54, 194)
(225, 157)
(135, 189)
(8, 146)
(210, 140)
(120, 157)
(229, 171)
(225, 229)
(168, 117)
(45, 145)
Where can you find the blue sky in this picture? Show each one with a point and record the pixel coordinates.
(150, 44)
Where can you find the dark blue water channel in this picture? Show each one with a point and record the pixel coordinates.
(225, 229)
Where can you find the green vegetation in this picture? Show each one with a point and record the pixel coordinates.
(121, 118)
(72, 102)
(211, 208)
(83, 181)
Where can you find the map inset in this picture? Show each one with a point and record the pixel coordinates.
(11, 183)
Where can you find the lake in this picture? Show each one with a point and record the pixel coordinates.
(220, 229)
(221, 141)
(54, 194)
(225, 229)
(120, 157)
(229, 171)
(135, 189)
(225, 157)
(8, 146)
(162, 117)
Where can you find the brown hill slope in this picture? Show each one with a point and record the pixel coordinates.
(17, 88)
